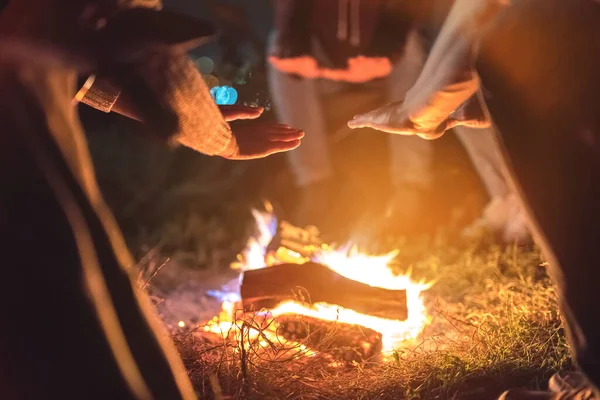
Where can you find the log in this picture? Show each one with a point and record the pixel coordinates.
(343, 342)
(305, 242)
(268, 287)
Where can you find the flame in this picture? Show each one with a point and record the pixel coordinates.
(373, 270)
(260, 330)
(253, 256)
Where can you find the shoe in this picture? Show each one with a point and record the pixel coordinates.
(584, 393)
(564, 381)
(518, 394)
(504, 218)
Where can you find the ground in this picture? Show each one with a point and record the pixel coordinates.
(495, 322)
(494, 325)
(494, 317)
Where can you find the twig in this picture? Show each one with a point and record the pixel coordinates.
(155, 272)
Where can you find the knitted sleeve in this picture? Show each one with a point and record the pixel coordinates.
(201, 125)
(98, 92)
(177, 80)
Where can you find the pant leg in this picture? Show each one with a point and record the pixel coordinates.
(482, 148)
(297, 103)
(75, 325)
(411, 158)
(540, 67)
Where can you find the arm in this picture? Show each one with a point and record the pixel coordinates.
(180, 89)
(201, 126)
(447, 79)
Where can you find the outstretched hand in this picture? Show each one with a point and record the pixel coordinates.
(235, 112)
(394, 118)
(256, 140)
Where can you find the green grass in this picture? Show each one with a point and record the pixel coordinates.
(495, 325)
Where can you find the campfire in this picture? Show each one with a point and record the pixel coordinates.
(300, 297)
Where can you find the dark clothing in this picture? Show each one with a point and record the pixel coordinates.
(346, 29)
(75, 326)
(539, 67)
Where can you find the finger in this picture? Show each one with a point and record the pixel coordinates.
(469, 123)
(232, 113)
(402, 130)
(364, 120)
(285, 136)
(431, 136)
(258, 127)
(276, 130)
(230, 116)
(280, 147)
(265, 150)
(240, 108)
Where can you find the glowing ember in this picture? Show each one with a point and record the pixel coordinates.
(261, 328)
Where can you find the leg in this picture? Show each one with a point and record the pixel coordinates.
(482, 148)
(503, 215)
(541, 68)
(78, 326)
(411, 159)
(297, 103)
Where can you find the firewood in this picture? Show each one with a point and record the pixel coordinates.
(313, 283)
(305, 242)
(343, 342)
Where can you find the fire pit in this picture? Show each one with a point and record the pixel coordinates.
(300, 296)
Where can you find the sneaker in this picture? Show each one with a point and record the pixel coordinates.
(518, 394)
(584, 393)
(564, 381)
(504, 218)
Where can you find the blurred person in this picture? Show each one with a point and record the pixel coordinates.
(236, 35)
(326, 59)
(373, 46)
(530, 68)
(75, 324)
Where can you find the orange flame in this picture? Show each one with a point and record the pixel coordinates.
(352, 264)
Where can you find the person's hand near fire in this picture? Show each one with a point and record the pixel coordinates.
(256, 140)
(248, 139)
(446, 94)
(164, 89)
(398, 119)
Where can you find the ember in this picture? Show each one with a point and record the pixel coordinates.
(359, 305)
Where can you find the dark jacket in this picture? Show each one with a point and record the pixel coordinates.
(349, 28)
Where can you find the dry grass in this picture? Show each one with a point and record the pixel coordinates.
(495, 325)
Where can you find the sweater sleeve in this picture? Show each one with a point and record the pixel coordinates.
(176, 79)
(98, 91)
(201, 126)
(448, 78)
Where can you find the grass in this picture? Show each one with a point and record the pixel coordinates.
(495, 325)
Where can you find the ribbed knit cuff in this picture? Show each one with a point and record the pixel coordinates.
(100, 93)
(178, 83)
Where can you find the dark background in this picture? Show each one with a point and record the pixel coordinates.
(197, 208)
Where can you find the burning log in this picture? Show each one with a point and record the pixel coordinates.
(313, 283)
(305, 242)
(342, 341)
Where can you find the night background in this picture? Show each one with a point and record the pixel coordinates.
(196, 208)
(467, 316)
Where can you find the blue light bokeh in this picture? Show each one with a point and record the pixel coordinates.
(224, 95)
